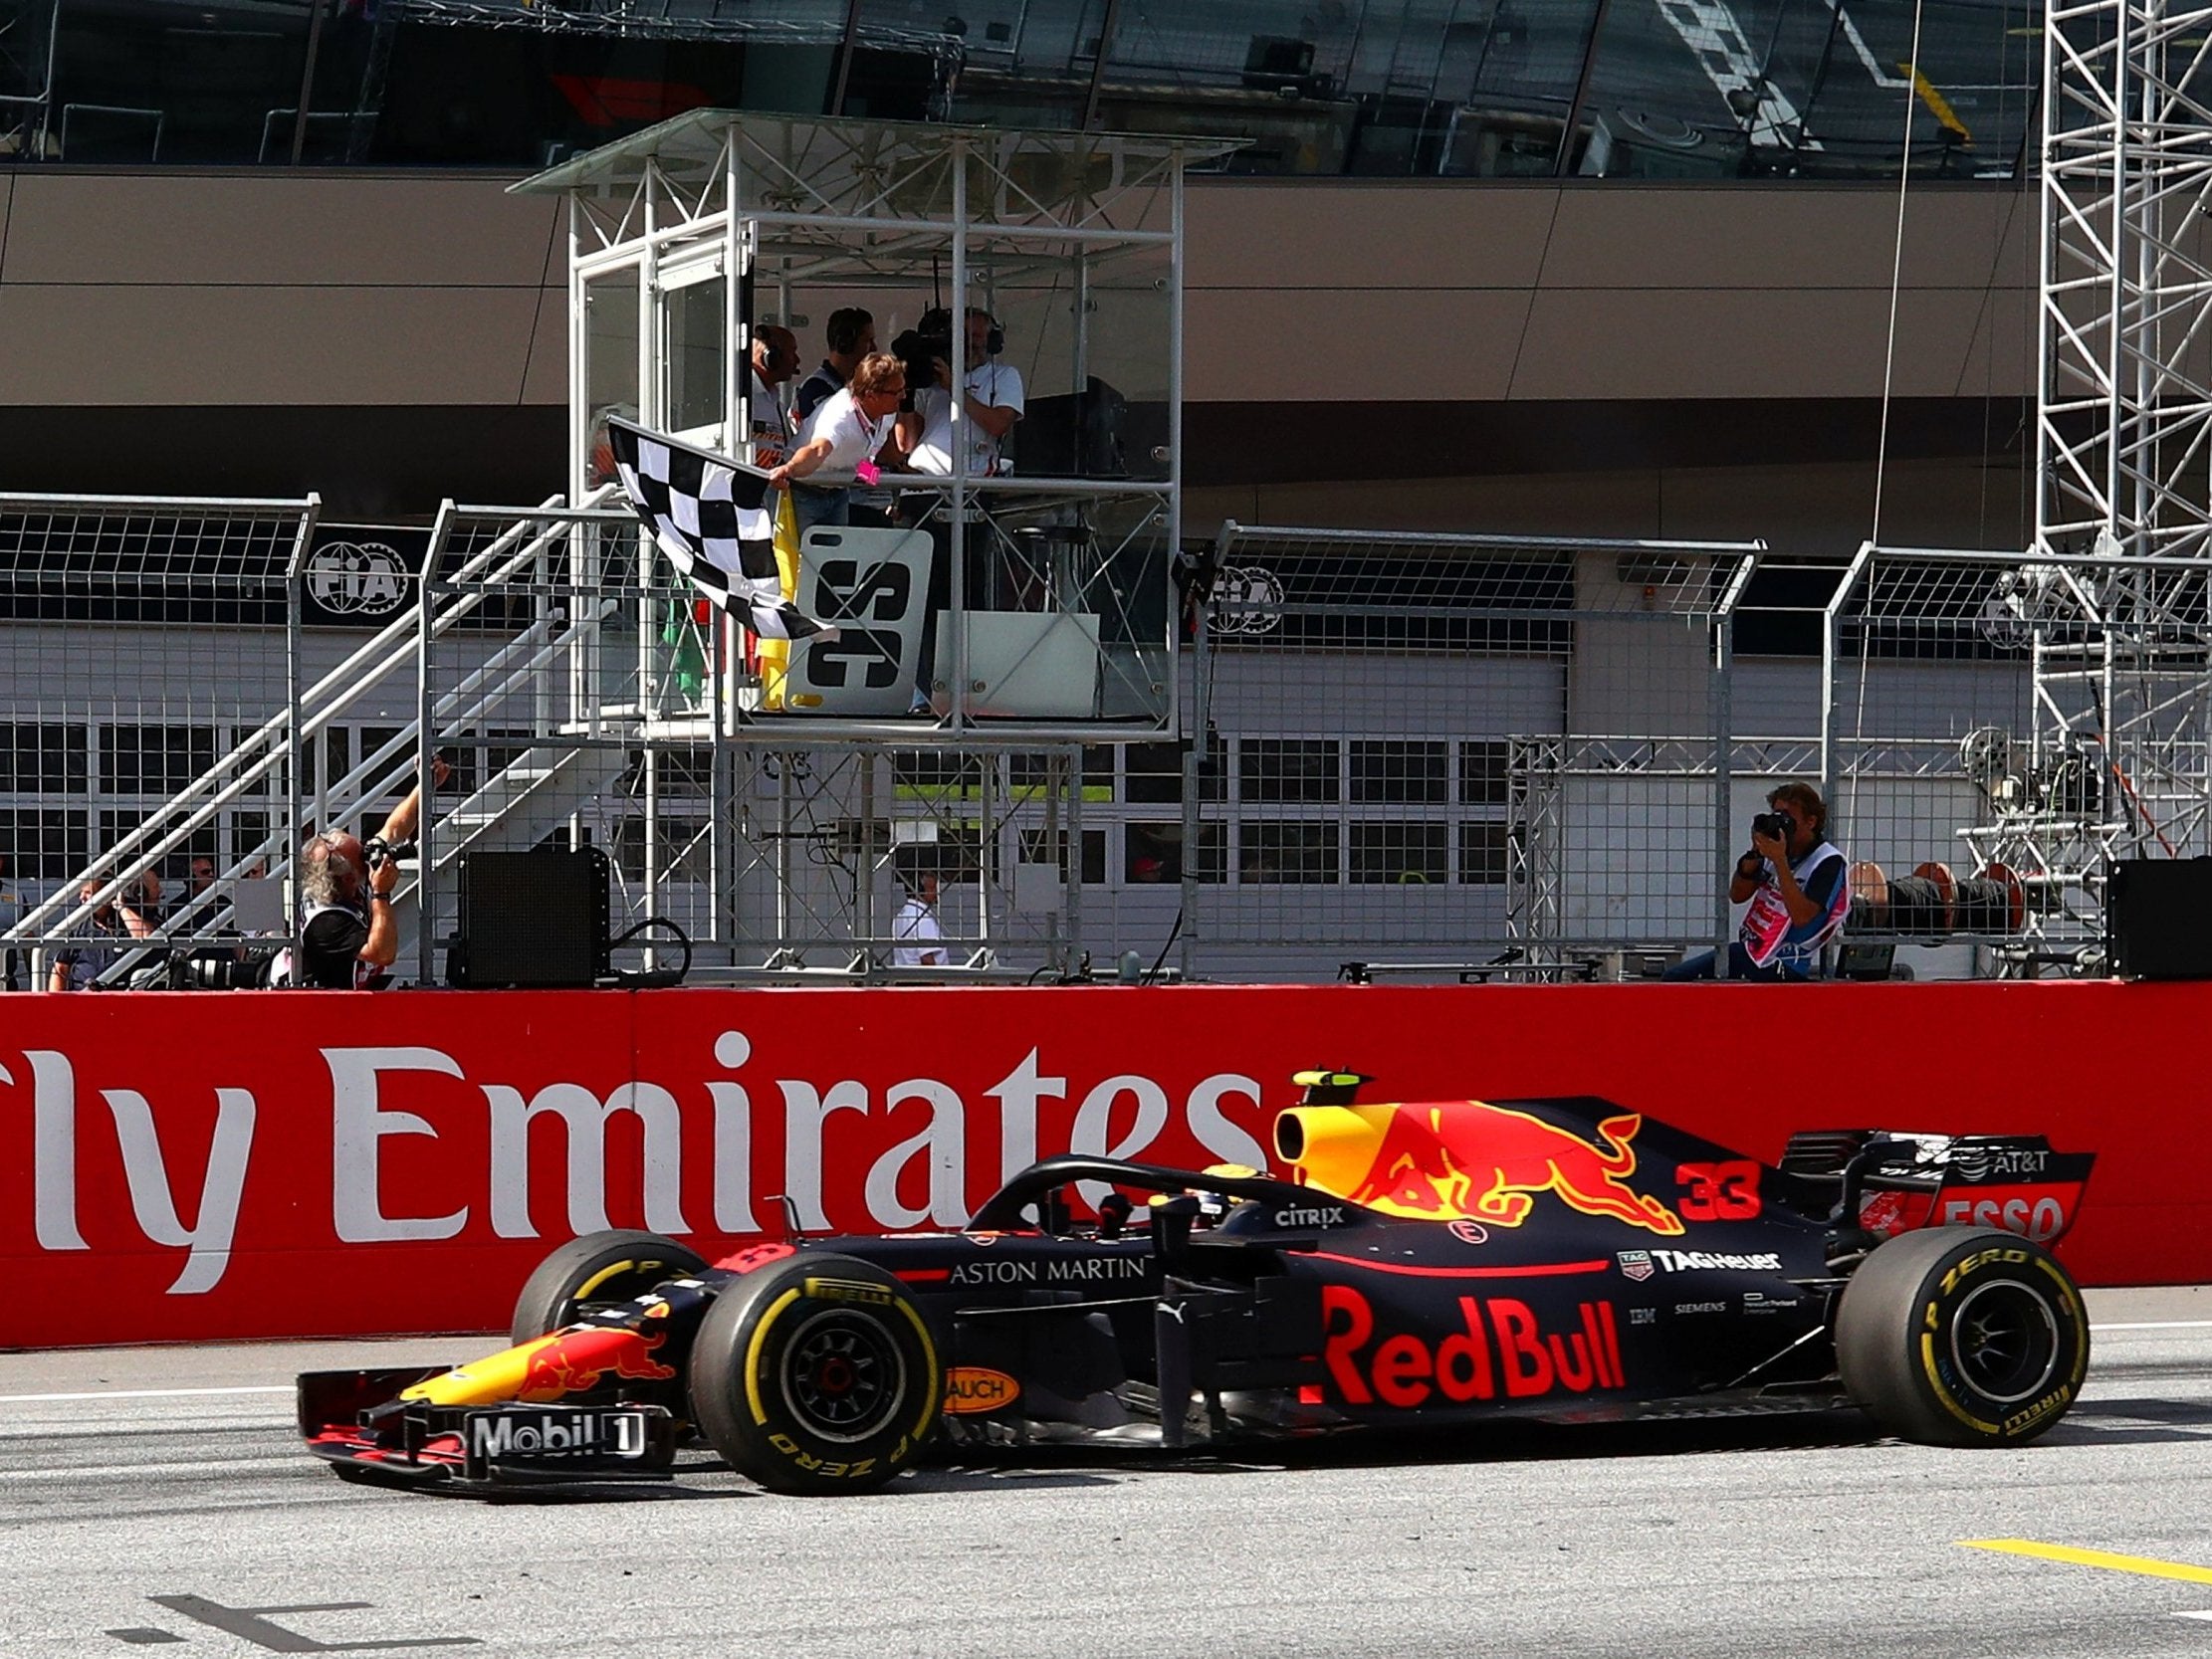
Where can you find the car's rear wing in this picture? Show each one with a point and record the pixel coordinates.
(1895, 1182)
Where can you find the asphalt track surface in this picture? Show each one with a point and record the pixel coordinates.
(146, 1495)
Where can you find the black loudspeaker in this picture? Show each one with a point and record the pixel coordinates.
(2158, 917)
(532, 919)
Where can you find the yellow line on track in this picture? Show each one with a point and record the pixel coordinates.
(2092, 1557)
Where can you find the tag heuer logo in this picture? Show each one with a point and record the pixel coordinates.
(1636, 1264)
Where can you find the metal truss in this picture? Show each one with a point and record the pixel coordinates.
(2118, 758)
(689, 19)
(843, 200)
(2125, 408)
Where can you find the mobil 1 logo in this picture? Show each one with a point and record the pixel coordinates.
(558, 1441)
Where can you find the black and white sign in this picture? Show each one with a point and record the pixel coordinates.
(873, 585)
(361, 576)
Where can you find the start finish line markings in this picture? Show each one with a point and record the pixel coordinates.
(2143, 1565)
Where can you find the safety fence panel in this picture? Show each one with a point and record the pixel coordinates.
(1458, 749)
(149, 653)
(1999, 729)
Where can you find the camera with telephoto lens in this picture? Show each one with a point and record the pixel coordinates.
(1775, 824)
(378, 852)
(218, 968)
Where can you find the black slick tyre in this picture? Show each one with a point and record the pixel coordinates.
(817, 1375)
(598, 1270)
(1962, 1336)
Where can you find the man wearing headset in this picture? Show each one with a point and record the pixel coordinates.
(989, 407)
(776, 363)
(350, 934)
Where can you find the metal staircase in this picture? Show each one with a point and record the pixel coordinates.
(513, 806)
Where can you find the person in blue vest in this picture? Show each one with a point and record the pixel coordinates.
(1797, 885)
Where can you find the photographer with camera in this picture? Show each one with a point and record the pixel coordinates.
(929, 439)
(347, 886)
(992, 404)
(1798, 889)
(108, 932)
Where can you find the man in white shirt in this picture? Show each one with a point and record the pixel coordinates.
(991, 406)
(843, 436)
(921, 940)
(775, 362)
(988, 409)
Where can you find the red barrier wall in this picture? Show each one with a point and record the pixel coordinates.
(202, 1165)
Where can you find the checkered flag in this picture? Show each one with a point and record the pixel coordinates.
(711, 519)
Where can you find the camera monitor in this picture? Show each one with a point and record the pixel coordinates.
(533, 919)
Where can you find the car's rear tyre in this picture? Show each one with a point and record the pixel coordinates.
(1962, 1336)
(817, 1375)
(598, 1270)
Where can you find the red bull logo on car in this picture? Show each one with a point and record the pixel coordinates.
(1470, 1160)
(1501, 1351)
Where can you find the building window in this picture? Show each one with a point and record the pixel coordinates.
(1399, 853)
(1482, 772)
(1288, 770)
(1405, 774)
(1036, 851)
(1483, 853)
(1285, 850)
(156, 759)
(41, 758)
(44, 844)
(1155, 853)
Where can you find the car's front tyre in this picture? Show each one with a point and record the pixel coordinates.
(598, 1270)
(1962, 1336)
(817, 1375)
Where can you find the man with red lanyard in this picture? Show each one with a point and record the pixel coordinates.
(1795, 886)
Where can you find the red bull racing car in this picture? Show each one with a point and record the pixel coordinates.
(1410, 1266)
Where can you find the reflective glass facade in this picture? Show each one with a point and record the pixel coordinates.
(1705, 90)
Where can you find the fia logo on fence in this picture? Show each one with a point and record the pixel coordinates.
(356, 578)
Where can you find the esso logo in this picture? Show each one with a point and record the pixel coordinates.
(356, 578)
(2039, 1221)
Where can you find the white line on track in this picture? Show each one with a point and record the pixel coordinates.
(286, 1387)
(146, 1393)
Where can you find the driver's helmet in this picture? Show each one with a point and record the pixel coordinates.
(1213, 1208)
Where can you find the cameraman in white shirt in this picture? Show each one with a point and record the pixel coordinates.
(988, 408)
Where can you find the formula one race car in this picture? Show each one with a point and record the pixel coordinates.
(1419, 1266)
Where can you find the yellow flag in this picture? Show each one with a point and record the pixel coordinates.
(775, 655)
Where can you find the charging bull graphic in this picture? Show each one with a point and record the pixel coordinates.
(1470, 1160)
(570, 1361)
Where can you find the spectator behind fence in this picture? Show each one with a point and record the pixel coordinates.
(921, 942)
(1796, 886)
(105, 934)
(348, 928)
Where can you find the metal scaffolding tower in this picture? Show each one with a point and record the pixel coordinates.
(2118, 762)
